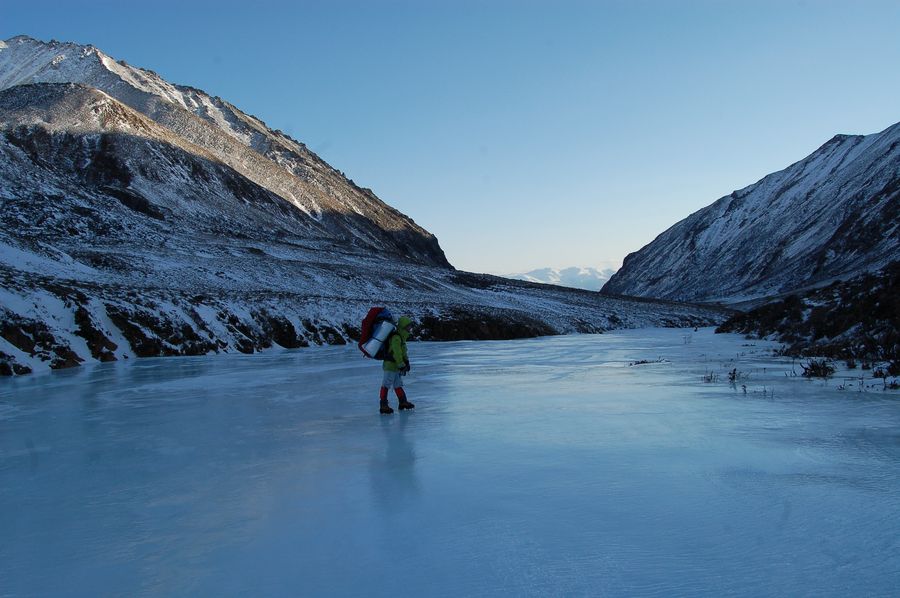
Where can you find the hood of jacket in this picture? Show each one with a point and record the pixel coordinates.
(403, 325)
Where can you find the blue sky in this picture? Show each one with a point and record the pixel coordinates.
(523, 134)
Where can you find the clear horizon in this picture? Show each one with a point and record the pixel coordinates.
(524, 135)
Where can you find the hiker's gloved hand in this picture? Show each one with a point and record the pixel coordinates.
(404, 370)
(407, 366)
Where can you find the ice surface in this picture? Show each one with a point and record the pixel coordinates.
(535, 467)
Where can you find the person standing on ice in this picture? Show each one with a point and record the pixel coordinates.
(396, 365)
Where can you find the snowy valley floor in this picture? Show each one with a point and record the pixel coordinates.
(537, 467)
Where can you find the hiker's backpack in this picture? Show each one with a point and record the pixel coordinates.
(376, 327)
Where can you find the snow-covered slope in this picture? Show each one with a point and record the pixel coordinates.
(832, 215)
(121, 236)
(590, 279)
(334, 205)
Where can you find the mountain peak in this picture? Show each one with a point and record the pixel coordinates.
(215, 128)
(832, 214)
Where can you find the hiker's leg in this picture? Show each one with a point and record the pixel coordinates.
(401, 394)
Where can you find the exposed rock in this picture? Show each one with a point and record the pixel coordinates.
(857, 319)
(466, 325)
(100, 346)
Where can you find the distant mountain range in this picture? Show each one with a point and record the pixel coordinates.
(833, 215)
(590, 279)
(142, 218)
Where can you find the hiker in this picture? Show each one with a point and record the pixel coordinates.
(396, 365)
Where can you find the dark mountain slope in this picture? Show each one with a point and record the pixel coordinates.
(834, 214)
(858, 319)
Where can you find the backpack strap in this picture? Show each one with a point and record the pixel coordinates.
(387, 346)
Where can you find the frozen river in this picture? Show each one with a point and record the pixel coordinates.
(529, 468)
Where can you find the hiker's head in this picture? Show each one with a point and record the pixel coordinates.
(404, 323)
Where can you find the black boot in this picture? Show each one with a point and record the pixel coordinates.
(404, 404)
(385, 409)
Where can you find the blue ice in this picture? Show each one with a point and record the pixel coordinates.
(545, 467)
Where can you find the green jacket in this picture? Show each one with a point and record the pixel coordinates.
(397, 356)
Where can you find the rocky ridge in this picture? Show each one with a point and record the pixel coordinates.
(335, 206)
(834, 214)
